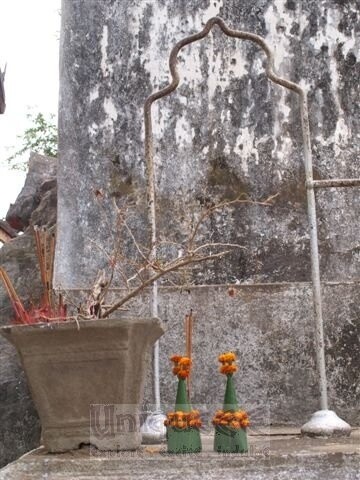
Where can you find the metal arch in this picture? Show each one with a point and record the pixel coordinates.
(149, 157)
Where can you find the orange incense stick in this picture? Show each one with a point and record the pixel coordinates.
(188, 341)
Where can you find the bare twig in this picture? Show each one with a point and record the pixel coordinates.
(176, 265)
(212, 209)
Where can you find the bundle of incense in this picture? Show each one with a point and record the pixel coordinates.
(21, 315)
(45, 249)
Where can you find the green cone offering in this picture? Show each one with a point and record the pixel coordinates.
(231, 422)
(182, 425)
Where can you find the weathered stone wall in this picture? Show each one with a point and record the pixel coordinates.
(226, 131)
(271, 329)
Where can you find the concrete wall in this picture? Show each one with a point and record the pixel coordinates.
(226, 132)
(271, 329)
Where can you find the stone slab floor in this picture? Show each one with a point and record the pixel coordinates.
(281, 454)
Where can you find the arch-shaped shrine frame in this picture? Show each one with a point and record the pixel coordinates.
(310, 183)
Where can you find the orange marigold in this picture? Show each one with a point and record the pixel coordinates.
(238, 419)
(185, 362)
(175, 358)
(228, 369)
(183, 420)
(245, 423)
(227, 357)
(181, 366)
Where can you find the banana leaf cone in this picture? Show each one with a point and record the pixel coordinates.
(228, 439)
(183, 440)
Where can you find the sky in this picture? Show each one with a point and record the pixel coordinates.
(29, 45)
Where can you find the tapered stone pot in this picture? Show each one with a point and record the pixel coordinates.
(87, 378)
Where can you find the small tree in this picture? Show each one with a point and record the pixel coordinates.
(40, 137)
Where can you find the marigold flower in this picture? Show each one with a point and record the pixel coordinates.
(181, 367)
(228, 369)
(185, 361)
(195, 423)
(235, 424)
(222, 358)
(194, 414)
(245, 423)
(228, 357)
(238, 419)
(175, 358)
(227, 416)
(240, 415)
(182, 420)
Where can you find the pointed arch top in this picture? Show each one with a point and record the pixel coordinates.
(149, 158)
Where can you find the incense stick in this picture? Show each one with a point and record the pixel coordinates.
(188, 341)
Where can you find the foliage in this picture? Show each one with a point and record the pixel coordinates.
(40, 137)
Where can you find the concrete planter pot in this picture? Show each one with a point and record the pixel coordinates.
(87, 379)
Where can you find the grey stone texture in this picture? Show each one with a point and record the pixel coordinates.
(282, 455)
(40, 182)
(226, 131)
(271, 329)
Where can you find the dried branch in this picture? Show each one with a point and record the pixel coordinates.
(220, 206)
(170, 268)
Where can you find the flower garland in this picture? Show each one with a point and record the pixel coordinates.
(183, 420)
(227, 360)
(238, 419)
(181, 367)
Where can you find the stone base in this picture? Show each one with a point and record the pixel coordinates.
(281, 454)
(325, 423)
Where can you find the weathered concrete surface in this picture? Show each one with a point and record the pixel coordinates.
(281, 456)
(227, 131)
(271, 329)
